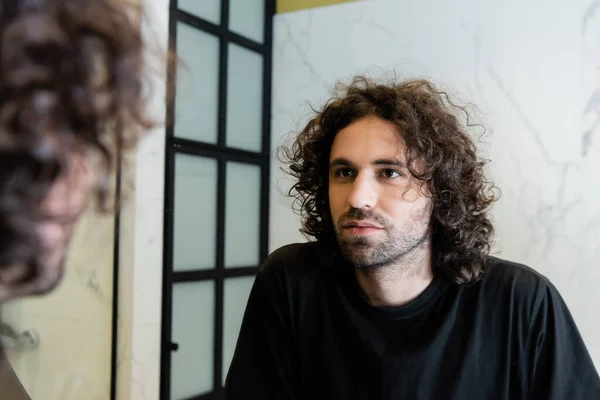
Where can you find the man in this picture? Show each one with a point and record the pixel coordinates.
(397, 297)
(71, 103)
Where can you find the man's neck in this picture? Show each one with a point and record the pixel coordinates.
(399, 284)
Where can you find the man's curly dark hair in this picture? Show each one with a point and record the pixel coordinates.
(451, 169)
(72, 78)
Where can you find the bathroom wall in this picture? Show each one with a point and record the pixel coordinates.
(141, 234)
(533, 71)
(74, 322)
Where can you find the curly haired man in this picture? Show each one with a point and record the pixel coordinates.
(397, 296)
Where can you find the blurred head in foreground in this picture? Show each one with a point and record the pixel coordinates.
(72, 102)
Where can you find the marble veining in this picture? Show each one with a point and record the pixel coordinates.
(535, 82)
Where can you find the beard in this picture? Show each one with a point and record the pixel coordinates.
(391, 246)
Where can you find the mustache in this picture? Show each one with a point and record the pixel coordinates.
(358, 214)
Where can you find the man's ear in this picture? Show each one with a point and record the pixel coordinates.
(11, 278)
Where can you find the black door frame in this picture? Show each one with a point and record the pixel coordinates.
(222, 154)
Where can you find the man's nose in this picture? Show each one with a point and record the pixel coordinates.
(363, 194)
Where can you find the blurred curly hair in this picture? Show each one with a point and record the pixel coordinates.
(72, 78)
(452, 171)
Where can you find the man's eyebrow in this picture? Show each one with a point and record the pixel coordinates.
(389, 161)
(343, 162)
(339, 162)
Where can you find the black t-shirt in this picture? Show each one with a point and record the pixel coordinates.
(308, 333)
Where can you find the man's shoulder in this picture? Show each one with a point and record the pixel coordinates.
(295, 261)
(294, 251)
(503, 271)
(515, 281)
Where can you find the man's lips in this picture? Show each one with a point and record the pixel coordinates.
(360, 228)
(360, 224)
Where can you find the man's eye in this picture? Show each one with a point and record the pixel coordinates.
(344, 173)
(390, 173)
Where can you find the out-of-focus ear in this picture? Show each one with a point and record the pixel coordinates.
(11, 277)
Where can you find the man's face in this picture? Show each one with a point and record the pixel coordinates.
(380, 212)
(63, 205)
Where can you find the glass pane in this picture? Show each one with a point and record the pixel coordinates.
(210, 10)
(236, 292)
(242, 215)
(247, 17)
(196, 104)
(195, 213)
(244, 99)
(192, 329)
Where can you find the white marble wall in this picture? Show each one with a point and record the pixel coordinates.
(533, 70)
(141, 235)
(73, 359)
